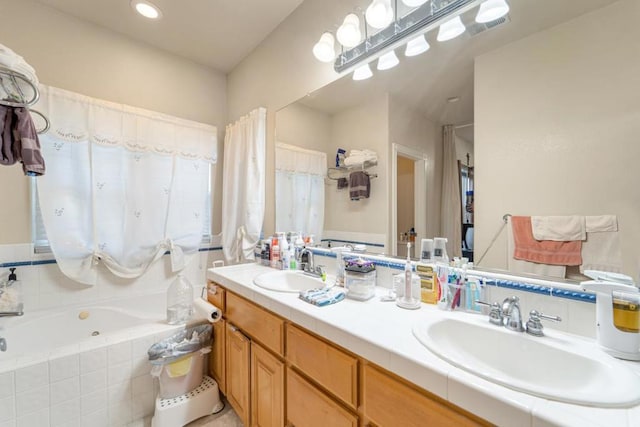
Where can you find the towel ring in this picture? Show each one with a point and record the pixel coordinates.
(47, 124)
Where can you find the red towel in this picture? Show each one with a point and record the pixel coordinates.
(527, 248)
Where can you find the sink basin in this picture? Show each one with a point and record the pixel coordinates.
(287, 281)
(557, 366)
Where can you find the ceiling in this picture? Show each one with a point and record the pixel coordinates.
(216, 33)
(446, 70)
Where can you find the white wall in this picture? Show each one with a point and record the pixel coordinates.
(82, 57)
(557, 119)
(305, 127)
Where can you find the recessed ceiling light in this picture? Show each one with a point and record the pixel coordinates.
(146, 9)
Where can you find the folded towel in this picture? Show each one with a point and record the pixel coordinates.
(601, 223)
(323, 296)
(527, 248)
(359, 159)
(359, 185)
(7, 156)
(558, 228)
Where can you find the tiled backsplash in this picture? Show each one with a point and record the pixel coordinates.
(44, 285)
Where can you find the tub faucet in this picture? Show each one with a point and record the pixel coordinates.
(511, 314)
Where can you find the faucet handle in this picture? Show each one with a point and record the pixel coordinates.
(534, 325)
(495, 312)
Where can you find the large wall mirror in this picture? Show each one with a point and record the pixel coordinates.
(546, 112)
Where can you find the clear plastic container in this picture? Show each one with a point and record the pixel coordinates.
(361, 286)
(179, 301)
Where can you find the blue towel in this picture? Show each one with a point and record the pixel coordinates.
(323, 296)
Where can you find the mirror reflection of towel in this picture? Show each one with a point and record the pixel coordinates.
(359, 185)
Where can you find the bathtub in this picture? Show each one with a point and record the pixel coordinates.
(82, 365)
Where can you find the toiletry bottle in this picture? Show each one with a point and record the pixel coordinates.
(275, 256)
(284, 252)
(179, 300)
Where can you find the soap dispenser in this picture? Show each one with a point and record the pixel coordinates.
(617, 314)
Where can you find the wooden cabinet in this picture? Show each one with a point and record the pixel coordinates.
(216, 295)
(218, 356)
(238, 378)
(255, 321)
(309, 407)
(267, 388)
(327, 365)
(388, 401)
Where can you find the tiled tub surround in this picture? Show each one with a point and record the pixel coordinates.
(101, 380)
(381, 332)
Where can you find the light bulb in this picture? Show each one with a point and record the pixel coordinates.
(416, 46)
(388, 60)
(146, 9)
(414, 3)
(348, 33)
(362, 73)
(379, 14)
(450, 29)
(491, 10)
(324, 50)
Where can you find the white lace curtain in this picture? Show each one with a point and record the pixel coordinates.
(300, 177)
(451, 206)
(243, 185)
(123, 185)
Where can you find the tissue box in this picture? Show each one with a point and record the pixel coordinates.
(360, 279)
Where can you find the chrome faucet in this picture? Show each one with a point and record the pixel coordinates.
(512, 317)
(310, 267)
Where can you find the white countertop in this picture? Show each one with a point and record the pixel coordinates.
(382, 333)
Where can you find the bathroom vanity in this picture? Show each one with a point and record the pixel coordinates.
(283, 362)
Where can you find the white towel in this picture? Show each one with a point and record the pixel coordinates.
(559, 228)
(601, 223)
(519, 266)
(601, 251)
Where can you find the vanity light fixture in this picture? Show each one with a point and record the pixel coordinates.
(348, 33)
(379, 14)
(324, 50)
(146, 9)
(387, 61)
(363, 72)
(409, 30)
(417, 46)
(451, 29)
(491, 10)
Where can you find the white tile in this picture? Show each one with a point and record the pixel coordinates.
(119, 353)
(64, 390)
(35, 419)
(93, 381)
(96, 419)
(140, 346)
(7, 408)
(7, 384)
(64, 367)
(140, 366)
(32, 376)
(65, 414)
(143, 405)
(93, 360)
(142, 385)
(32, 400)
(118, 372)
(119, 393)
(93, 402)
(582, 319)
(10, 423)
(120, 414)
(550, 413)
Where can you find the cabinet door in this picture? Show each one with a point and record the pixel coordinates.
(237, 371)
(267, 388)
(388, 402)
(309, 407)
(217, 357)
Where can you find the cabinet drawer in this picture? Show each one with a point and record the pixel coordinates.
(383, 395)
(216, 295)
(329, 366)
(259, 324)
(309, 407)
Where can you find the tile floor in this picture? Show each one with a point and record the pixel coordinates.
(226, 418)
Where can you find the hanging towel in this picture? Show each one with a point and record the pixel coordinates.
(359, 185)
(545, 251)
(342, 183)
(559, 228)
(519, 266)
(601, 251)
(26, 144)
(6, 136)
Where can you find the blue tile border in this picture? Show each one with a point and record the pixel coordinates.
(354, 242)
(53, 261)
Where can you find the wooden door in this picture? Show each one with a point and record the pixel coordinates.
(217, 357)
(267, 388)
(238, 359)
